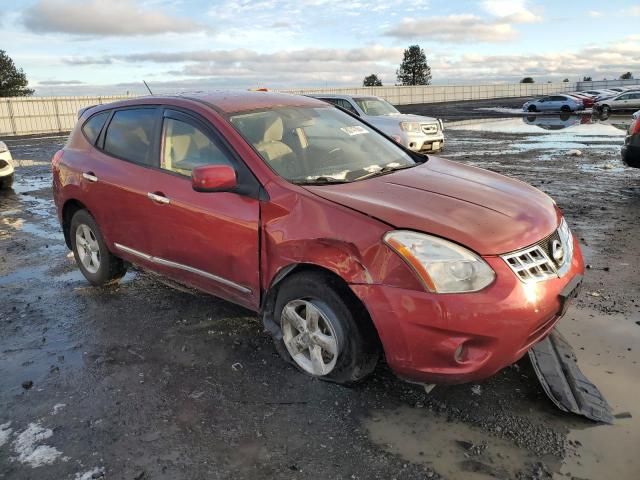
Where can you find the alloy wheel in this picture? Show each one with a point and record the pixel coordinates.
(309, 336)
(88, 248)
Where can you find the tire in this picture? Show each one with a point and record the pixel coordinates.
(6, 182)
(606, 109)
(98, 265)
(341, 345)
(565, 108)
(532, 108)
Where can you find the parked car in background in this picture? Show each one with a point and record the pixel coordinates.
(595, 93)
(629, 100)
(6, 167)
(345, 242)
(631, 149)
(587, 100)
(418, 133)
(554, 103)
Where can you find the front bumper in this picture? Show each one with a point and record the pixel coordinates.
(420, 142)
(458, 338)
(6, 164)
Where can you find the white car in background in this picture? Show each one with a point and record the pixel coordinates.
(415, 132)
(6, 167)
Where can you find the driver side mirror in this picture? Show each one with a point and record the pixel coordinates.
(214, 178)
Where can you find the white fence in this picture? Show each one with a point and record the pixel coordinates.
(598, 84)
(30, 115)
(34, 115)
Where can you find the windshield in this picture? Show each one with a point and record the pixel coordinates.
(319, 145)
(376, 106)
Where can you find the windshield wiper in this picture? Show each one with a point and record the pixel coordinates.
(318, 180)
(382, 171)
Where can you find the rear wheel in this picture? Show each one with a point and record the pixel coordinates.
(565, 108)
(324, 333)
(532, 108)
(98, 265)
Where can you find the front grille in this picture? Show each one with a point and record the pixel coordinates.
(537, 263)
(429, 128)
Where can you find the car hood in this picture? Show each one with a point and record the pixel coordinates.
(400, 117)
(485, 211)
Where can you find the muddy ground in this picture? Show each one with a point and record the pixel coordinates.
(142, 381)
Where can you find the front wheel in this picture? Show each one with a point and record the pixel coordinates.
(324, 330)
(606, 109)
(6, 182)
(98, 265)
(532, 108)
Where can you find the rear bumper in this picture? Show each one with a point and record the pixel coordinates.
(458, 338)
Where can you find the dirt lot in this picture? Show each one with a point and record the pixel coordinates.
(142, 381)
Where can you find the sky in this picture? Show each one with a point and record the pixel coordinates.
(76, 47)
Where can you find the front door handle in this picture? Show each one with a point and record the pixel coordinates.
(158, 198)
(90, 176)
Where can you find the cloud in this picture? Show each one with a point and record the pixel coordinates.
(515, 11)
(102, 18)
(594, 14)
(464, 28)
(53, 83)
(635, 11)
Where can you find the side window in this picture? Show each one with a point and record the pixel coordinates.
(93, 126)
(130, 135)
(346, 104)
(624, 97)
(185, 147)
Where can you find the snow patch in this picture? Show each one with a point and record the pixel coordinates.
(57, 407)
(95, 473)
(5, 432)
(27, 450)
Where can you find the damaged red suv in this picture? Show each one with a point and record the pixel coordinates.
(347, 244)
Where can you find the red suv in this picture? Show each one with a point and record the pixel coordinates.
(347, 244)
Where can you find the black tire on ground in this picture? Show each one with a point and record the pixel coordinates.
(606, 109)
(532, 108)
(111, 268)
(565, 108)
(6, 182)
(358, 344)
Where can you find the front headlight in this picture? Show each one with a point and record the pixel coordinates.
(3, 147)
(410, 126)
(442, 266)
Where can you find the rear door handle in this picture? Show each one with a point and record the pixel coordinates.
(90, 176)
(158, 198)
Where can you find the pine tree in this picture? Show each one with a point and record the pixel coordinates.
(414, 69)
(13, 81)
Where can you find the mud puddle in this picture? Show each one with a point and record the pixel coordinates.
(453, 449)
(607, 347)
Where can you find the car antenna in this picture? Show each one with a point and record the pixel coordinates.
(145, 84)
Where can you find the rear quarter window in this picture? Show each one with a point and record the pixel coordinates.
(93, 126)
(130, 135)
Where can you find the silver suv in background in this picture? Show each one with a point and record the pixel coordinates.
(417, 133)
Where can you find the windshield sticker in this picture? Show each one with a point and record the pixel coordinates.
(355, 130)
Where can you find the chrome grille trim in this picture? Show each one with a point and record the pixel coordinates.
(429, 128)
(535, 263)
